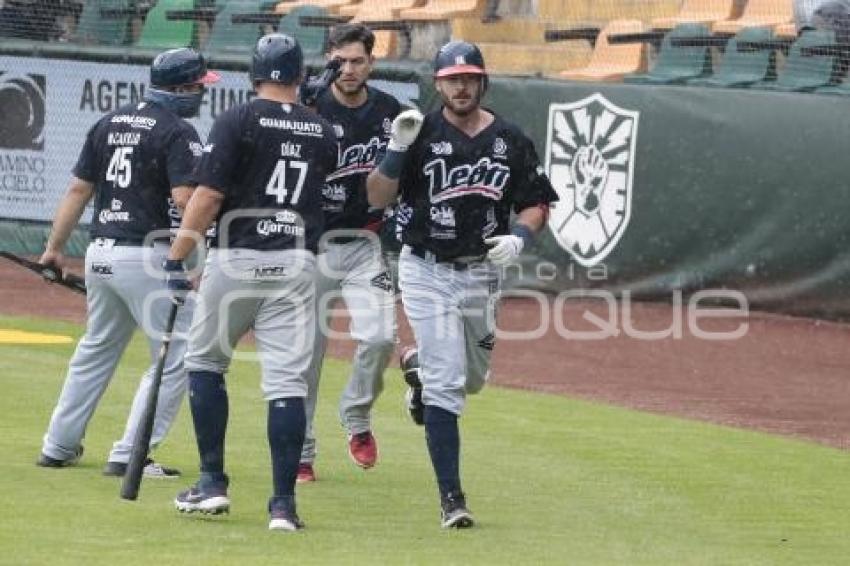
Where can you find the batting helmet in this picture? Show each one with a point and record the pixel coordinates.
(277, 58)
(459, 58)
(182, 66)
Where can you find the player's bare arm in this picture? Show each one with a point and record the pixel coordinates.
(201, 210)
(181, 195)
(381, 190)
(70, 210)
(533, 217)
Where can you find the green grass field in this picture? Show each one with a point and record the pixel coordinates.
(551, 480)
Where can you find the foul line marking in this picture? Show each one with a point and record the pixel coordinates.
(22, 337)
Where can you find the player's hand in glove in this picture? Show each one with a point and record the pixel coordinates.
(505, 248)
(177, 280)
(404, 130)
(312, 87)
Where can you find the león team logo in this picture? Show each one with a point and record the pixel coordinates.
(590, 151)
(22, 110)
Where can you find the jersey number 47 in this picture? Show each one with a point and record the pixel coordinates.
(278, 186)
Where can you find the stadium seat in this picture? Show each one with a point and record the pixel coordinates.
(612, 62)
(386, 41)
(698, 11)
(94, 28)
(161, 33)
(380, 11)
(676, 65)
(229, 37)
(758, 13)
(439, 10)
(785, 30)
(331, 6)
(805, 73)
(742, 68)
(312, 39)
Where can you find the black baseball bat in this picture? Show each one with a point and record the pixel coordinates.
(141, 442)
(49, 273)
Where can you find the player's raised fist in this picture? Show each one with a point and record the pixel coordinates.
(404, 130)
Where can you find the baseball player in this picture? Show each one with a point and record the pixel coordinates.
(461, 171)
(350, 262)
(134, 161)
(261, 177)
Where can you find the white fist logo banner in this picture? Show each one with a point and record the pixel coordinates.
(590, 150)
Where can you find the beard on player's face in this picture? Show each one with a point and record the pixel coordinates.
(461, 101)
(350, 86)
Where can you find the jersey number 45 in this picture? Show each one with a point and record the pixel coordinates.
(120, 170)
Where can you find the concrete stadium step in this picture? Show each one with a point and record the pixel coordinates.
(530, 59)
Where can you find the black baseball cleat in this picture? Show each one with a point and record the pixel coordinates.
(409, 363)
(455, 515)
(152, 470)
(282, 515)
(209, 498)
(46, 461)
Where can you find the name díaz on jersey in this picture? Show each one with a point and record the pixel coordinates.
(289, 149)
(484, 178)
(357, 158)
(301, 128)
(134, 121)
(285, 222)
(123, 138)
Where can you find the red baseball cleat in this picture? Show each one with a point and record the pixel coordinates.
(305, 473)
(363, 449)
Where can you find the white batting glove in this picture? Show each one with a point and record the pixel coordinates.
(505, 248)
(404, 130)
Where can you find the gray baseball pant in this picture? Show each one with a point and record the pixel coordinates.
(356, 273)
(123, 294)
(452, 313)
(272, 292)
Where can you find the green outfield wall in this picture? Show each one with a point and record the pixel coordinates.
(663, 189)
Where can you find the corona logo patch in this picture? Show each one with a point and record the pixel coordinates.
(590, 156)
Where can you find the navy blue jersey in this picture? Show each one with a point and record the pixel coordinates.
(457, 190)
(272, 158)
(134, 156)
(362, 133)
